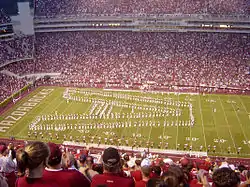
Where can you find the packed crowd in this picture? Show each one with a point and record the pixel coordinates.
(9, 85)
(16, 49)
(38, 164)
(193, 59)
(4, 18)
(80, 7)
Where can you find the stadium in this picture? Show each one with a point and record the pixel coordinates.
(163, 81)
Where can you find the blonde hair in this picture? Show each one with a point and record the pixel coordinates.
(31, 156)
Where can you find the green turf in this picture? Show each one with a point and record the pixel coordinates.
(227, 127)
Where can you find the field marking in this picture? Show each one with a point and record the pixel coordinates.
(40, 113)
(71, 102)
(229, 129)
(116, 120)
(242, 103)
(216, 127)
(81, 120)
(246, 139)
(202, 122)
(149, 133)
(163, 134)
(34, 115)
(177, 131)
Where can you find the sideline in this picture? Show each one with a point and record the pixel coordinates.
(11, 104)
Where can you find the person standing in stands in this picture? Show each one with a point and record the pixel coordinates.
(86, 165)
(54, 170)
(7, 165)
(112, 175)
(30, 162)
(146, 170)
(69, 164)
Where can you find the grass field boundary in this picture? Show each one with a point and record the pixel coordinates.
(156, 92)
(140, 149)
(7, 104)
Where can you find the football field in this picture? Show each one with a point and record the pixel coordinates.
(218, 123)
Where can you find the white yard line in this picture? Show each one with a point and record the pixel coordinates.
(149, 133)
(229, 129)
(163, 134)
(246, 139)
(244, 106)
(216, 127)
(177, 131)
(117, 120)
(202, 123)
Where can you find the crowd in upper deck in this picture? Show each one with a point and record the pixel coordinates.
(80, 7)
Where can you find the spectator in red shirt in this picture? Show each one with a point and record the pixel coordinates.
(136, 174)
(112, 176)
(201, 179)
(62, 177)
(146, 170)
(30, 162)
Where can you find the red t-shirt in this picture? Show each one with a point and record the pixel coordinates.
(141, 183)
(194, 183)
(136, 175)
(66, 178)
(39, 182)
(112, 180)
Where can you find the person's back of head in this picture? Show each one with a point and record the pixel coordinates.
(31, 157)
(146, 170)
(225, 177)
(111, 160)
(177, 172)
(55, 155)
(171, 179)
(157, 170)
(3, 149)
(156, 182)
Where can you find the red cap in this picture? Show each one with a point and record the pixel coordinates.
(55, 151)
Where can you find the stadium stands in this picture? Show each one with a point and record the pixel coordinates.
(194, 59)
(218, 60)
(16, 49)
(49, 8)
(9, 85)
(122, 166)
